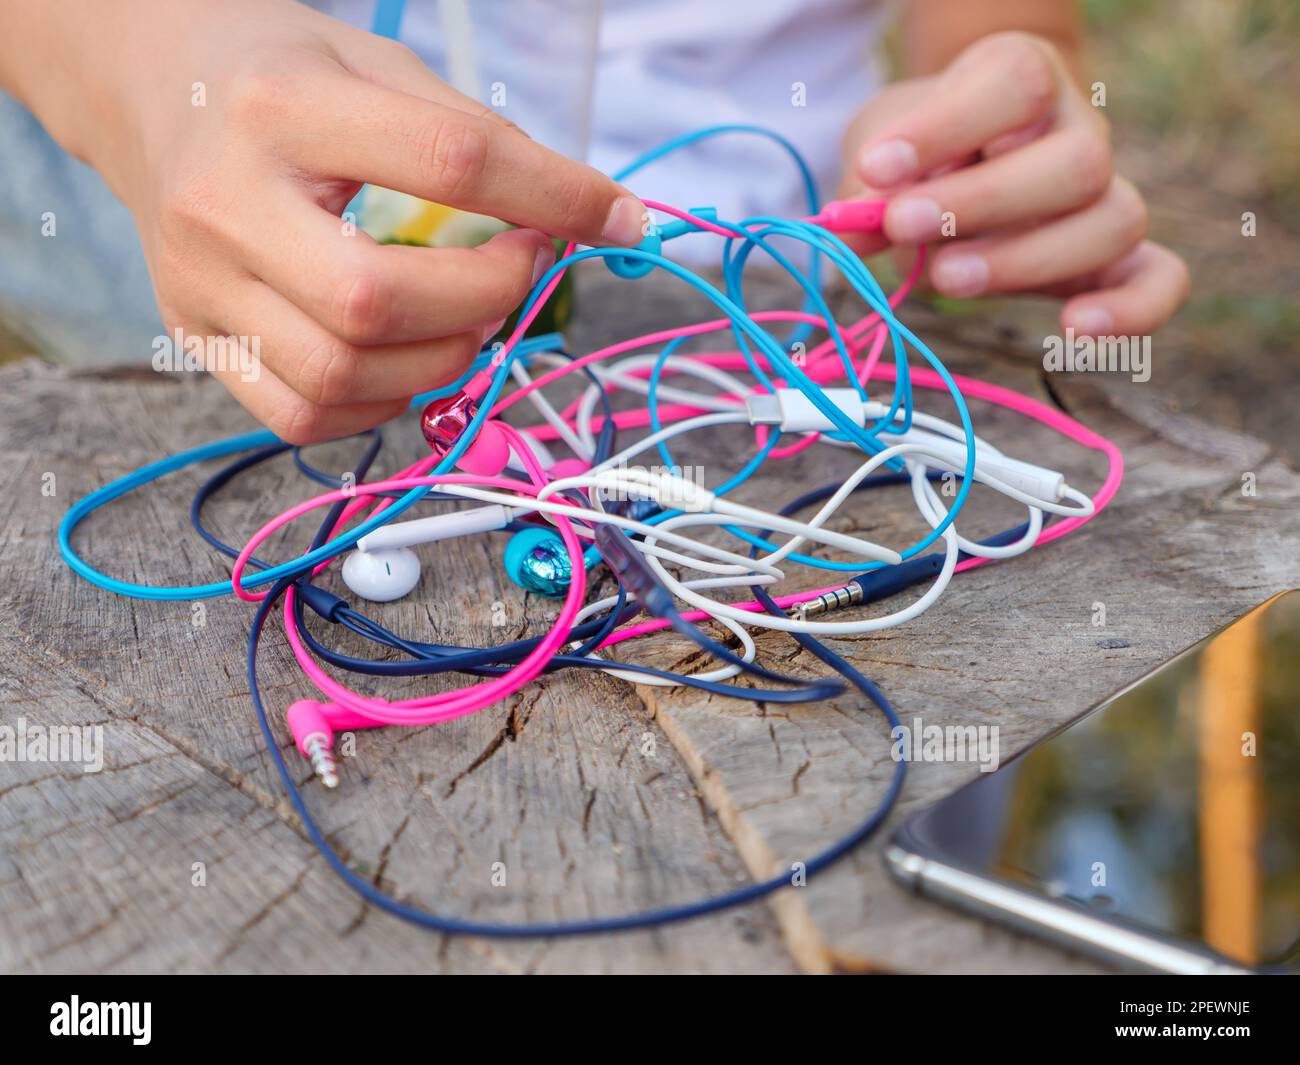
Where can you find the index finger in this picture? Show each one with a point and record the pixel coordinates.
(369, 133)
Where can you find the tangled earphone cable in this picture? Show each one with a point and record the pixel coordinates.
(671, 544)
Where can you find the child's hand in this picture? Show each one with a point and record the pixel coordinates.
(1003, 147)
(237, 132)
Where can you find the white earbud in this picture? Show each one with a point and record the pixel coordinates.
(382, 576)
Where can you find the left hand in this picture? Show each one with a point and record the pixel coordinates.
(1001, 161)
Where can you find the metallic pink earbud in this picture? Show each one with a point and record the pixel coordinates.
(445, 420)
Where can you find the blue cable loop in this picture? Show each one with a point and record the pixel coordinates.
(791, 371)
(219, 449)
(802, 331)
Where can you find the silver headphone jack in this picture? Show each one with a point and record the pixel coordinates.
(836, 599)
(322, 759)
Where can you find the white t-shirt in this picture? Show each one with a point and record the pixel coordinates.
(656, 69)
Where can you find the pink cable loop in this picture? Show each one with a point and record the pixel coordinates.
(442, 706)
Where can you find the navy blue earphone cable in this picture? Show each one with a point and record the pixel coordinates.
(628, 922)
(455, 926)
(652, 918)
(595, 631)
(491, 662)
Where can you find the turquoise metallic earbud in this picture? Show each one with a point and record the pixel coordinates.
(537, 561)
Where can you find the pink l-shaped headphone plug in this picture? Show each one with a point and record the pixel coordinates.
(313, 725)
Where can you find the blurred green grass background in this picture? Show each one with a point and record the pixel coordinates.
(1213, 84)
(1203, 95)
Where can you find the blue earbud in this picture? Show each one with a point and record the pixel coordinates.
(653, 242)
(623, 266)
(537, 561)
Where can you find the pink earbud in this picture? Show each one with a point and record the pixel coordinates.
(488, 455)
(445, 420)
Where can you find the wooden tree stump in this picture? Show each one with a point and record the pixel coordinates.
(592, 796)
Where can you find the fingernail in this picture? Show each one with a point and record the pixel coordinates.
(1093, 322)
(623, 226)
(494, 329)
(543, 261)
(913, 219)
(889, 163)
(961, 274)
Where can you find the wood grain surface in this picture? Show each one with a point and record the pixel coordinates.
(595, 797)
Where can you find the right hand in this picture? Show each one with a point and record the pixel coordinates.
(238, 201)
